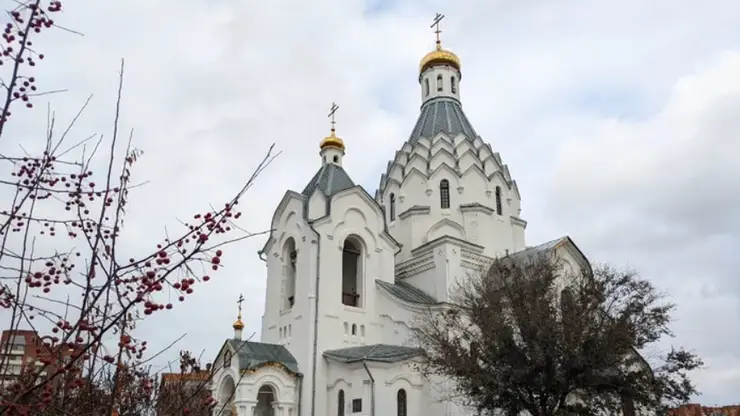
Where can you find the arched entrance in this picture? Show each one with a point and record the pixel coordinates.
(265, 400)
(226, 396)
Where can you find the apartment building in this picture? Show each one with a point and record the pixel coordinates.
(21, 349)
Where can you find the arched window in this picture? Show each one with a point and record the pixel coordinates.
(290, 256)
(401, 403)
(392, 207)
(336, 159)
(340, 403)
(453, 87)
(439, 82)
(265, 401)
(426, 87)
(444, 194)
(354, 329)
(227, 359)
(499, 209)
(352, 272)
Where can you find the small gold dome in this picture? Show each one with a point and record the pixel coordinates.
(439, 56)
(238, 324)
(332, 141)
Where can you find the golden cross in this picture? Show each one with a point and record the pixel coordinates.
(239, 302)
(438, 18)
(332, 112)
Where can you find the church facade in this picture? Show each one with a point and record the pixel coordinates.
(348, 272)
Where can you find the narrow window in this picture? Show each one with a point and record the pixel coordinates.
(352, 282)
(336, 159)
(453, 87)
(498, 201)
(426, 87)
(393, 207)
(290, 256)
(356, 405)
(439, 82)
(401, 402)
(354, 329)
(340, 403)
(444, 194)
(227, 359)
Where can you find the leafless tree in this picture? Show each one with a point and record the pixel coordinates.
(64, 271)
(529, 336)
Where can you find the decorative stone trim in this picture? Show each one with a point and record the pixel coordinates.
(415, 266)
(476, 207)
(474, 261)
(518, 221)
(415, 210)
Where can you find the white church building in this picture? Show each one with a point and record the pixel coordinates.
(348, 272)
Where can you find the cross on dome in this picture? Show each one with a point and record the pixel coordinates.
(439, 56)
(332, 140)
(238, 324)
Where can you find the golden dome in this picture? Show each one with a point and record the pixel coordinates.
(332, 141)
(238, 324)
(439, 56)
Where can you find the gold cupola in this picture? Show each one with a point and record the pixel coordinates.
(332, 141)
(439, 56)
(238, 324)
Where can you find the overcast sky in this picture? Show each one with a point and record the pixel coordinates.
(617, 118)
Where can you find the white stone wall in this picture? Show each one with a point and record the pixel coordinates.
(430, 81)
(353, 379)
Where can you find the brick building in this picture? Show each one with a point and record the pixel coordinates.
(176, 386)
(22, 350)
(699, 410)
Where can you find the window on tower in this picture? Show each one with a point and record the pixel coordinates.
(426, 87)
(401, 403)
(453, 87)
(392, 207)
(352, 281)
(439, 82)
(444, 194)
(290, 256)
(499, 209)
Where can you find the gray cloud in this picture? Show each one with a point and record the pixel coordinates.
(615, 117)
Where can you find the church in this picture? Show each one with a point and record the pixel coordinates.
(348, 272)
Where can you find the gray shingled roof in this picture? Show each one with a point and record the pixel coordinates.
(255, 354)
(530, 253)
(377, 352)
(442, 115)
(407, 292)
(330, 179)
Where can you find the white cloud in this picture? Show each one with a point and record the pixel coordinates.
(577, 96)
